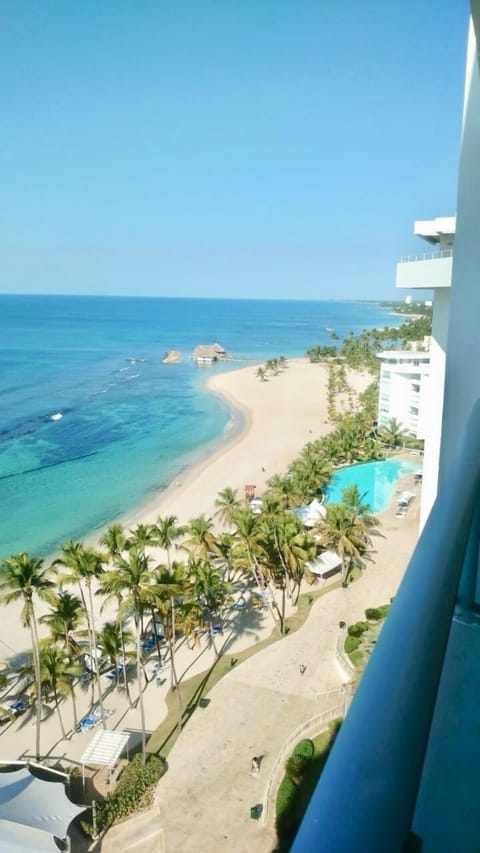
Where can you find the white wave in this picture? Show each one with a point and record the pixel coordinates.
(129, 378)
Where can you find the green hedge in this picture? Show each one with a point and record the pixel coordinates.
(374, 614)
(132, 792)
(304, 749)
(357, 629)
(293, 799)
(351, 643)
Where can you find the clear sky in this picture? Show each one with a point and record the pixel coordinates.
(257, 148)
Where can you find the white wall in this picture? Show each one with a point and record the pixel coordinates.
(462, 381)
(434, 394)
(397, 396)
(433, 273)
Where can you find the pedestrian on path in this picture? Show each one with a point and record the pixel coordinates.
(302, 668)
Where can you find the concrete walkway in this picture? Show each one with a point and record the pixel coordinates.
(205, 798)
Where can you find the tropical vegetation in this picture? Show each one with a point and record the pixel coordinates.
(302, 771)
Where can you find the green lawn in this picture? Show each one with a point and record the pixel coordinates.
(194, 689)
(294, 797)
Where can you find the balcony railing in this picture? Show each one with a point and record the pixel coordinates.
(367, 794)
(429, 256)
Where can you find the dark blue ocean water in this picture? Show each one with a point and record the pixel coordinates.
(129, 422)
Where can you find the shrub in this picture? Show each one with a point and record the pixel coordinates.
(304, 749)
(351, 643)
(373, 613)
(132, 792)
(357, 629)
(377, 613)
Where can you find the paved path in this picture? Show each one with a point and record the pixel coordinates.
(205, 797)
(203, 802)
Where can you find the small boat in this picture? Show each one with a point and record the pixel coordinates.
(56, 417)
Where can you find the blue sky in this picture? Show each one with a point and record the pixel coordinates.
(257, 148)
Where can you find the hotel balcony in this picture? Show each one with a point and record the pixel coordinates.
(425, 271)
(404, 774)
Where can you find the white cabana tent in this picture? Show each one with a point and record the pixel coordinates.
(311, 514)
(32, 812)
(105, 748)
(327, 562)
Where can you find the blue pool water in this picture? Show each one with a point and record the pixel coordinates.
(376, 481)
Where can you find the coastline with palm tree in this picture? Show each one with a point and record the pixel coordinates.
(180, 565)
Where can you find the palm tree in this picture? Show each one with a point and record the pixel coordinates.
(170, 585)
(114, 539)
(227, 502)
(56, 675)
(231, 554)
(354, 501)
(262, 374)
(247, 532)
(84, 565)
(286, 490)
(208, 587)
(167, 531)
(393, 433)
(113, 639)
(131, 579)
(23, 578)
(341, 531)
(66, 616)
(141, 536)
(202, 540)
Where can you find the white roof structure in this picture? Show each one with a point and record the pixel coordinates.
(32, 811)
(310, 515)
(326, 562)
(105, 748)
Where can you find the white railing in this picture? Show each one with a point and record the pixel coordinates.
(315, 725)
(427, 256)
(342, 658)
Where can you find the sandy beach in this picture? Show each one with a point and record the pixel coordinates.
(270, 423)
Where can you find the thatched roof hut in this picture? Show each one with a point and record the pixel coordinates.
(207, 353)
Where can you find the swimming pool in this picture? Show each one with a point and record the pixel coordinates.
(375, 480)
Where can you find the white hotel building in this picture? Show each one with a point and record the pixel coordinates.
(432, 271)
(404, 390)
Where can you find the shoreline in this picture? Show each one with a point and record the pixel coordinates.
(239, 423)
(268, 432)
(274, 420)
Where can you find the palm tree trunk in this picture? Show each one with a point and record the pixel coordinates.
(124, 665)
(157, 642)
(254, 567)
(173, 671)
(38, 679)
(140, 691)
(69, 657)
(89, 633)
(95, 660)
(57, 708)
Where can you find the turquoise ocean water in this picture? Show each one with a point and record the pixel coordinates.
(129, 422)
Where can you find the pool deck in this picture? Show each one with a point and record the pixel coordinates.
(384, 489)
